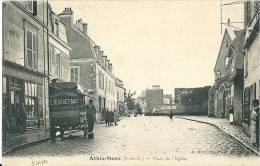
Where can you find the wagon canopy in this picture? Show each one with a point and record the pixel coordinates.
(68, 86)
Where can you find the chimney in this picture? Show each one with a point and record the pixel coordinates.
(110, 67)
(67, 16)
(85, 28)
(81, 26)
(96, 48)
(107, 62)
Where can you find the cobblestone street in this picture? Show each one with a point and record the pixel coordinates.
(144, 136)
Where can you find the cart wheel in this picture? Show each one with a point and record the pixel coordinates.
(53, 133)
(85, 134)
(91, 135)
(62, 133)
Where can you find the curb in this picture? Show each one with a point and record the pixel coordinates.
(227, 132)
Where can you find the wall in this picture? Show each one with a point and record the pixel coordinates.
(14, 21)
(87, 77)
(192, 109)
(153, 97)
(220, 63)
(65, 59)
(253, 65)
(13, 33)
(237, 102)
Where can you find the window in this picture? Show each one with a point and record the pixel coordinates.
(4, 88)
(218, 74)
(99, 79)
(227, 60)
(74, 74)
(246, 65)
(31, 57)
(58, 64)
(31, 6)
(246, 105)
(55, 61)
(51, 54)
(31, 97)
(252, 94)
(56, 27)
(102, 81)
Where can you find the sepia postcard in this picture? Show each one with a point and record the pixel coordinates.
(130, 82)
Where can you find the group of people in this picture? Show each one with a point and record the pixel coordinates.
(111, 117)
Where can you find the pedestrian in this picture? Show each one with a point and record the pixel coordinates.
(107, 117)
(90, 115)
(231, 114)
(255, 123)
(171, 115)
(116, 116)
(110, 119)
(13, 119)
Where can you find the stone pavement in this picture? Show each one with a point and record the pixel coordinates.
(223, 124)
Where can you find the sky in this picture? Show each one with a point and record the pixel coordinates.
(171, 43)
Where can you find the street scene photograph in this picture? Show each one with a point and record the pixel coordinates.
(130, 82)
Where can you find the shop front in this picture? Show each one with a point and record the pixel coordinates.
(23, 102)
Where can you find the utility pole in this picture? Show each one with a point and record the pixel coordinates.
(221, 16)
(221, 13)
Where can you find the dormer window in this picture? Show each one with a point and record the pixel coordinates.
(31, 6)
(218, 75)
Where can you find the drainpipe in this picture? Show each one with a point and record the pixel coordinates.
(48, 78)
(48, 58)
(44, 85)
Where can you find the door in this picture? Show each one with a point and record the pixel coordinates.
(100, 104)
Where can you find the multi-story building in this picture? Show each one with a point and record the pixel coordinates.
(25, 71)
(59, 50)
(251, 66)
(154, 98)
(227, 90)
(120, 93)
(88, 64)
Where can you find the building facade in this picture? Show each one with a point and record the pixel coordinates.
(252, 68)
(89, 66)
(120, 93)
(227, 91)
(154, 98)
(59, 50)
(25, 71)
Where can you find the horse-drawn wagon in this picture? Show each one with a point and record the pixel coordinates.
(67, 108)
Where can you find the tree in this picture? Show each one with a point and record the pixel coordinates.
(130, 101)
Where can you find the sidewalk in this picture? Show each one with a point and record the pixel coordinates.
(28, 139)
(223, 124)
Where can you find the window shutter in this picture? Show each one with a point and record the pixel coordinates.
(34, 8)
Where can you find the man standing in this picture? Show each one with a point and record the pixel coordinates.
(171, 115)
(90, 115)
(255, 123)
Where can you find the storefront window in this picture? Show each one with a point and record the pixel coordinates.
(31, 98)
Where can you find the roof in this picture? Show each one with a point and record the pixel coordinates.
(231, 33)
(237, 43)
(228, 33)
(76, 40)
